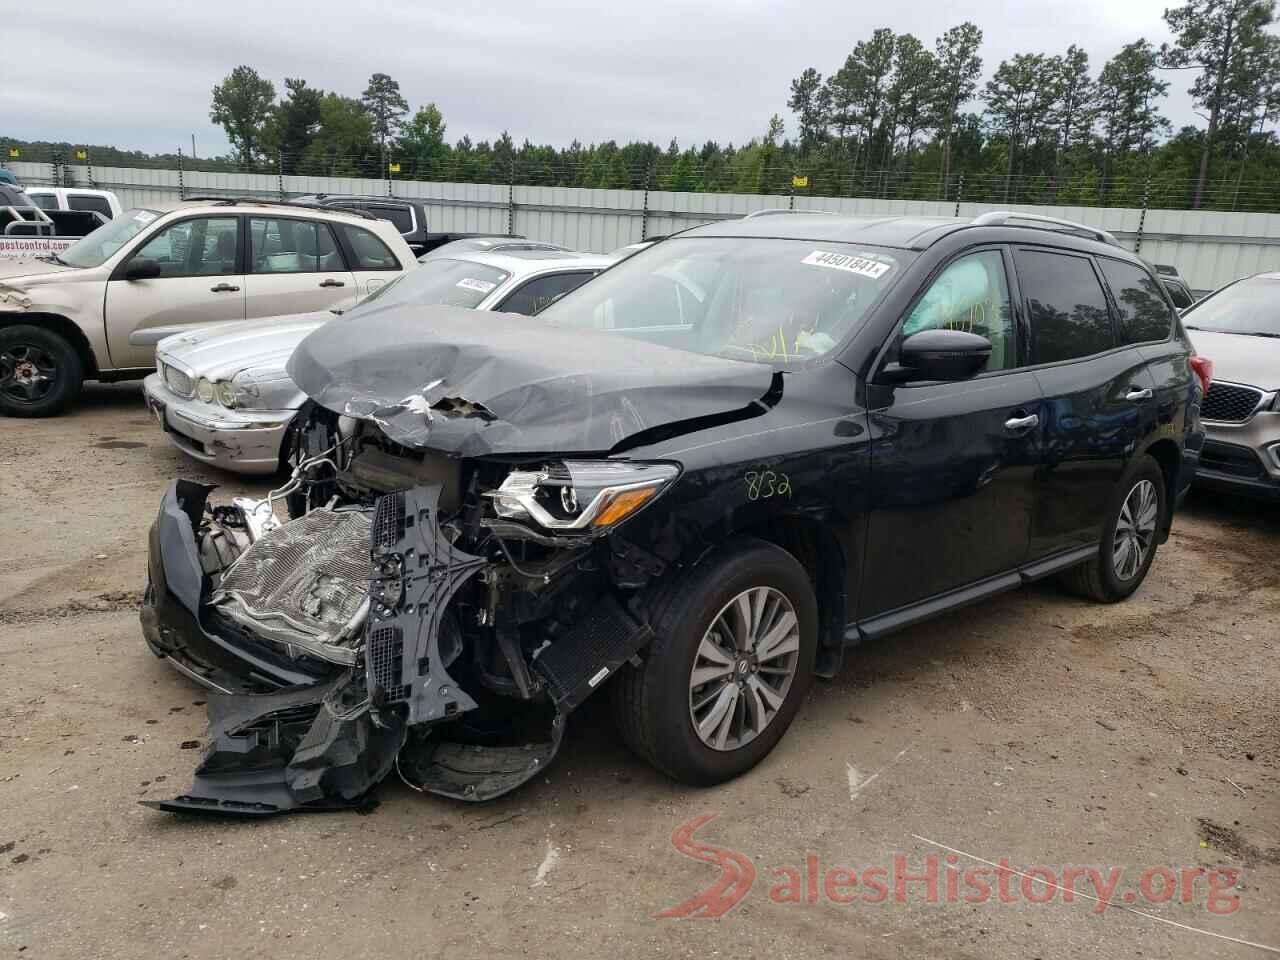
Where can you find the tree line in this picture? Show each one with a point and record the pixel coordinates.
(898, 119)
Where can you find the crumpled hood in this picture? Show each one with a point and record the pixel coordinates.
(1240, 358)
(262, 345)
(473, 384)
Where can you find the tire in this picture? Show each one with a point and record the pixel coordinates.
(40, 372)
(1103, 578)
(654, 704)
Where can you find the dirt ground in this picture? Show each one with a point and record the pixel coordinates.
(1037, 728)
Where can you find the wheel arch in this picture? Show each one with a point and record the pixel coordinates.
(823, 558)
(64, 327)
(1168, 457)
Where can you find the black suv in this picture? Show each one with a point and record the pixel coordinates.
(408, 215)
(696, 479)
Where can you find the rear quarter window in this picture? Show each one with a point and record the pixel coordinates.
(1145, 316)
(370, 252)
(396, 213)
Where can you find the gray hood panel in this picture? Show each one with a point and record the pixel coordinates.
(1240, 358)
(515, 384)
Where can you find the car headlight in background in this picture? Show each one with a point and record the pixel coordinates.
(204, 390)
(581, 494)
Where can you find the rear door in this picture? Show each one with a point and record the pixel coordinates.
(295, 266)
(201, 282)
(953, 464)
(1100, 396)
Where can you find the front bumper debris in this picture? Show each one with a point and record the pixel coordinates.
(291, 732)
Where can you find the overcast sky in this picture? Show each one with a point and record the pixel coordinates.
(140, 76)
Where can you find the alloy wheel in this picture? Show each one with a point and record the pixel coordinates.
(27, 373)
(744, 668)
(1135, 530)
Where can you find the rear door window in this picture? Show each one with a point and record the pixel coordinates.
(540, 292)
(1065, 304)
(1144, 315)
(285, 245)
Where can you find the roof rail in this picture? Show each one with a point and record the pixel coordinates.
(771, 211)
(233, 201)
(1041, 222)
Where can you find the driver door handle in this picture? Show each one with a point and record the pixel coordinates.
(1022, 424)
(224, 288)
(1138, 393)
(330, 282)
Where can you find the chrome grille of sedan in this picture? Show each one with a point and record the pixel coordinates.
(1230, 403)
(176, 380)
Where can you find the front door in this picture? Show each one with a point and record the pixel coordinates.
(200, 283)
(953, 465)
(295, 266)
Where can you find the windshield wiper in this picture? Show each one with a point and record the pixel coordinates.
(1262, 333)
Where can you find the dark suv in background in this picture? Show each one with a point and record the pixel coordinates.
(409, 217)
(699, 477)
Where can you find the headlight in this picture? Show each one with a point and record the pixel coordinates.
(226, 393)
(204, 390)
(581, 494)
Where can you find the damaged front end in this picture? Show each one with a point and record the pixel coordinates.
(433, 615)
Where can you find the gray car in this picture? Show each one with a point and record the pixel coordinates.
(222, 394)
(1238, 328)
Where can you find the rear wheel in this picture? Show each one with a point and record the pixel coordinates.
(729, 665)
(40, 372)
(1129, 538)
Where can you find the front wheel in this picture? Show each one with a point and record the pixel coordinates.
(40, 372)
(731, 660)
(1129, 538)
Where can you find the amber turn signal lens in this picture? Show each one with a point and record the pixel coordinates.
(622, 506)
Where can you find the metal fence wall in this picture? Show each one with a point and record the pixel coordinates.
(1209, 247)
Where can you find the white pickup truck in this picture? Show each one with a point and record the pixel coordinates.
(96, 310)
(42, 220)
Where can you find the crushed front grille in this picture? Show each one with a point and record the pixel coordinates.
(304, 581)
(1228, 403)
(385, 652)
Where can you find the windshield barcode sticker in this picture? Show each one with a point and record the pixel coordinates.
(480, 286)
(843, 261)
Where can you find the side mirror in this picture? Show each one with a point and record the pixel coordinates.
(939, 355)
(142, 268)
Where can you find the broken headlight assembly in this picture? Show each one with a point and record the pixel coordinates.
(265, 391)
(581, 495)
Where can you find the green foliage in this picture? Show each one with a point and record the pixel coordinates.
(242, 104)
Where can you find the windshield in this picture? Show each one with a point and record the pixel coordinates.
(458, 283)
(94, 249)
(1244, 307)
(774, 301)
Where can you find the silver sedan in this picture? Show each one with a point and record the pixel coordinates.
(222, 395)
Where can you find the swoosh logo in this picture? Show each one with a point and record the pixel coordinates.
(737, 873)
